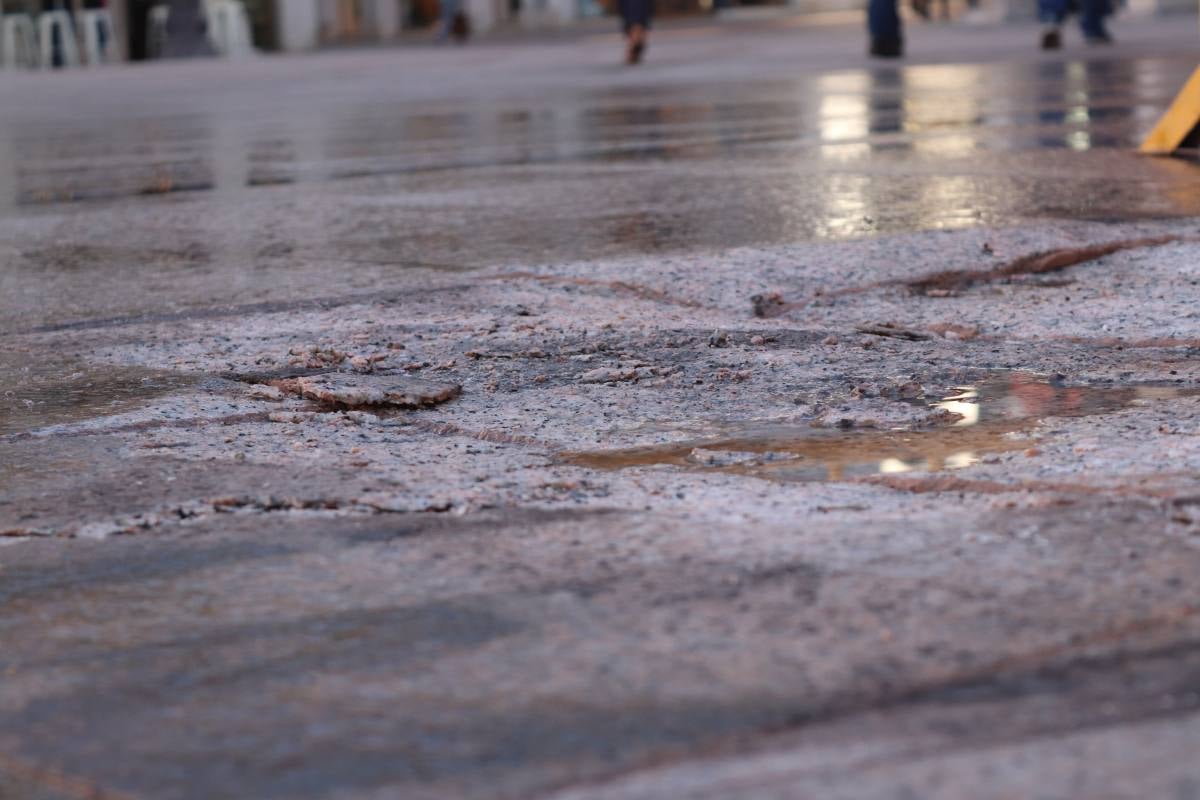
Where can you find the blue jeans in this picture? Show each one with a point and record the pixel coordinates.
(1091, 14)
(883, 21)
(448, 9)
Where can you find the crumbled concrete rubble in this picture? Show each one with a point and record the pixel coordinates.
(342, 389)
(571, 379)
(623, 374)
(891, 329)
(201, 510)
(315, 357)
(265, 393)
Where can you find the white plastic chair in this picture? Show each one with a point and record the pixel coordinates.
(18, 42)
(99, 36)
(156, 30)
(57, 21)
(229, 28)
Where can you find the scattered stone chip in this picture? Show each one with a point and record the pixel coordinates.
(345, 389)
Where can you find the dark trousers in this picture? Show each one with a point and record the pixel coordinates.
(636, 12)
(1091, 14)
(883, 21)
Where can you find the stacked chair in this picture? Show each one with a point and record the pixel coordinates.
(55, 39)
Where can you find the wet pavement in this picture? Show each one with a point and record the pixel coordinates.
(501, 422)
(52, 390)
(555, 155)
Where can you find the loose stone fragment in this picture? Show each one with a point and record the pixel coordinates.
(608, 375)
(724, 458)
(97, 530)
(893, 331)
(768, 304)
(344, 389)
(8, 535)
(956, 332)
(634, 372)
(907, 390)
(366, 363)
(293, 417)
(263, 392)
(315, 357)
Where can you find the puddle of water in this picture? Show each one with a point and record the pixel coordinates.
(805, 454)
(990, 419)
(35, 392)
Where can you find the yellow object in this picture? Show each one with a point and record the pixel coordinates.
(1181, 119)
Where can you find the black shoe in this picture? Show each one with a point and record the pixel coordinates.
(887, 46)
(1051, 40)
(1102, 38)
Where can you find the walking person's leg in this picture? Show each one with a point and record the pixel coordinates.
(1051, 14)
(883, 23)
(635, 21)
(1091, 20)
(447, 10)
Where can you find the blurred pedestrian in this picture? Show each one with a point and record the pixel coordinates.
(454, 22)
(1091, 20)
(635, 21)
(883, 23)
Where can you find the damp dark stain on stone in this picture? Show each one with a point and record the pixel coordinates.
(42, 392)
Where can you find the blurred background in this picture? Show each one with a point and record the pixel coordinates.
(137, 27)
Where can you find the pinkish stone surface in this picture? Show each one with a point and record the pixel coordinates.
(403, 391)
(661, 546)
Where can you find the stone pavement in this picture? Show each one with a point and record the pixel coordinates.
(826, 428)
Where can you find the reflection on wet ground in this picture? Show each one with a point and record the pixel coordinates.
(212, 204)
(931, 112)
(987, 419)
(37, 393)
